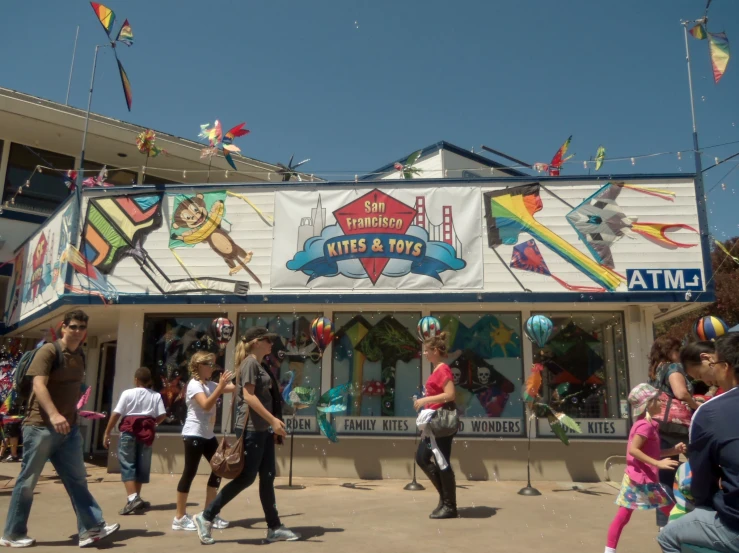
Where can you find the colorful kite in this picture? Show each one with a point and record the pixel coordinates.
(97, 283)
(408, 168)
(106, 16)
(527, 257)
(699, 31)
(333, 401)
(559, 158)
(345, 343)
(92, 415)
(718, 45)
(510, 211)
(600, 155)
(216, 140)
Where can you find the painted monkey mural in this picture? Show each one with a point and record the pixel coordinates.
(203, 225)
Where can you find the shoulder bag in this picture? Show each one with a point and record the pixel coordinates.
(445, 421)
(228, 460)
(674, 417)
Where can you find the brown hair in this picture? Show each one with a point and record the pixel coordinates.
(143, 375)
(197, 358)
(438, 342)
(660, 353)
(76, 315)
(691, 354)
(243, 349)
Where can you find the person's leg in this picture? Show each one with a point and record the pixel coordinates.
(448, 481)
(14, 445)
(143, 466)
(267, 484)
(702, 528)
(70, 466)
(667, 476)
(193, 451)
(38, 443)
(423, 460)
(214, 481)
(127, 462)
(623, 515)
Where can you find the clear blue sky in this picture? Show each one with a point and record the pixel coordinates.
(354, 85)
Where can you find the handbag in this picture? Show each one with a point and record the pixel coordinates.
(674, 417)
(228, 460)
(445, 421)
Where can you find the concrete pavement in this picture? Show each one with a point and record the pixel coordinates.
(358, 516)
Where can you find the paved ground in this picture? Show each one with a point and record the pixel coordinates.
(359, 516)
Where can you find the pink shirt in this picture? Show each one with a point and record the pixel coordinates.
(436, 382)
(639, 472)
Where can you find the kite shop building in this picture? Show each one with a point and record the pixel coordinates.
(603, 257)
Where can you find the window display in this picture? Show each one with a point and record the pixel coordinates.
(380, 355)
(485, 359)
(295, 361)
(169, 342)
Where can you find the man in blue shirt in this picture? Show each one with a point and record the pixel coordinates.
(714, 460)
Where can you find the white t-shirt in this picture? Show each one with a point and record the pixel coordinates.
(140, 402)
(199, 422)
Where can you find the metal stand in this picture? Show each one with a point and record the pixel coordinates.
(290, 477)
(529, 490)
(414, 486)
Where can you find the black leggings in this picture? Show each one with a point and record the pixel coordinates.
(195, 447)
(667, 476)
(424, 454)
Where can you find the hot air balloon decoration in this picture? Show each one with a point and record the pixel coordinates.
(539, 329)
(223, 331)
(428, 327)
(322, 332)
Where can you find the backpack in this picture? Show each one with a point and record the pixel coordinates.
(22, 383)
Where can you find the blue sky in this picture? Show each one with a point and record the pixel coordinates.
(354, 85)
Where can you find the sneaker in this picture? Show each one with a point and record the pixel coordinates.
(11, 459)
(20, 542)
(203, 527)
(185, 523)
(281, 534)
(131, 506)
(219, 523)
(94, 536)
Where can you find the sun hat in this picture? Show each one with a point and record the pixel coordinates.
(640, 397)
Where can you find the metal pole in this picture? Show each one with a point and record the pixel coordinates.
(292, 441)
(71, 69)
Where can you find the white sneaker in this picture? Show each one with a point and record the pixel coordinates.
(94, 536)
(185, 523)
(282, 534)
(219, 523)
(20, 542)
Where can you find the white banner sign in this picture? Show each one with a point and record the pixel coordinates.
(375, 425)
(480, 426)
(591, 428)
(368, 239)
(301, 425)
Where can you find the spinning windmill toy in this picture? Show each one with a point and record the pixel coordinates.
(288, 171)
(106, 16)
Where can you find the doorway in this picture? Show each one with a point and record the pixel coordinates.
(103, 395)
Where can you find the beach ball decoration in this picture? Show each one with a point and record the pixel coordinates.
(428, 327)
(322, 332)
(223, 331)
(709, 328)
(539, 329)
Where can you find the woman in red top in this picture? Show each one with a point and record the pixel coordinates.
(439, 395)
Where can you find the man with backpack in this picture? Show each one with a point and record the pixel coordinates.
(51, 378)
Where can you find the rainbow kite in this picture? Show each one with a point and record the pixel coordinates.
(699, 31)
(106, 16)
(718, 46)
(125, 35)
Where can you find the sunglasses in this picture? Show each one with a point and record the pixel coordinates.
(714, 363)
(207, 364)
(77, 327)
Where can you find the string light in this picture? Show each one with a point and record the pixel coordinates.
(184, 175)
(226, 173)
(633, 161)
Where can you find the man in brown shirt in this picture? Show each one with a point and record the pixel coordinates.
(50, 433)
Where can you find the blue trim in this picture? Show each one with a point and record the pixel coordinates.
(15, 215)
(41, 228)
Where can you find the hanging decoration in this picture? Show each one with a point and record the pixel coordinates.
(216, 139)
(709, 328)
(726, 251)
(146, 144)
(559, 158)
(698, 31)
(322, 333)
(333, 401)
(91, 415)
(600, 155)
(106, 16)
(718, 46)
(408, 168)
(527, 257)
(539, 329)
(223, 330)
(288, 171)
(428, 327)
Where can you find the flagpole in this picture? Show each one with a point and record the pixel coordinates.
(71, 69)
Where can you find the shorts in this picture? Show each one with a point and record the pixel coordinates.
(134, 458)
(12, 430)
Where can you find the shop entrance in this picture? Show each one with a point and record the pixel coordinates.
(103, 395)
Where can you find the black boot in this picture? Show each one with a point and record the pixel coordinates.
(433, 475)
(448, 496)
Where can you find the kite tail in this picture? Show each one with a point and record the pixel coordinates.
(266, 218)
(664, 194)
(656, 232)
(579, 288)
(182, 264)
(76, 290)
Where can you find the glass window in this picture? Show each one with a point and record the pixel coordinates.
(586, 374)
(169, 342)
(117, 177)
(485, 358)
(380, 354)
(47, 190)
(295, 360)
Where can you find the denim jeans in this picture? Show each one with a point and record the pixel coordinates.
(41, 444)
(134, 458)
(700, 527)
(259, 448)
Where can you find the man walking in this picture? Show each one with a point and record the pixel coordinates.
(714, 461)
(50, 433)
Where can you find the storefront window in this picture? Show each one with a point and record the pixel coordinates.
(47, 190)
(586, 374)
(380, 355)
(485, 358)
(295, 361)
(169, 342)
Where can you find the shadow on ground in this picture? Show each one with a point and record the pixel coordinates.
(250, 522)
(477, 512)
(307, 533)
(107, 543)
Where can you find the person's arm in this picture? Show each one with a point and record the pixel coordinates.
(59, 422)
(679, 449)
(160, 419)
(114, 418)
(448, 395)
(680, 390)
(253, 402)
(705, 476)
(636, 451)
(207, 403)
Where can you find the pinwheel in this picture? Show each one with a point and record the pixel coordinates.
(333, 401)
(146, 144)
(559, 158)
(408, 168)
(88, 414)
(288, 171)
(216, 139)
(106, 16)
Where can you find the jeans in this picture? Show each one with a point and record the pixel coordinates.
(42, 444)
(701, 527)
(134, 458)
(259, 448)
